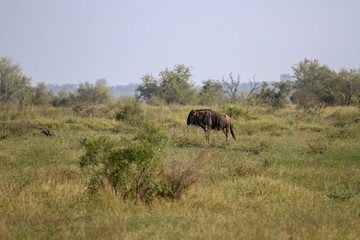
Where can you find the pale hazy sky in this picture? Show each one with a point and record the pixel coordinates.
(73, 41)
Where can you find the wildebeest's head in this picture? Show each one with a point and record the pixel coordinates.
(192, 118)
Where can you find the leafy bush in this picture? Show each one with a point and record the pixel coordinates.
(63, 100)
(133, 169)
(129, 110)
(276, 96)
(235, 111)
(342, 196)
(83, 110)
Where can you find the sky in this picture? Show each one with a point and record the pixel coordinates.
(77, 41)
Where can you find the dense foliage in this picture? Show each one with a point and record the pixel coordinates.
(316, 83)
(14, 84)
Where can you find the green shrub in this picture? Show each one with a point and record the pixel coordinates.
(344, 196)
(129, 110)
(132, 169)
(235, 111)
(344, 113)
(83, 110)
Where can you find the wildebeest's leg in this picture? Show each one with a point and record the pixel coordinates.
(208, 137)
(226, 132)
(207, 134)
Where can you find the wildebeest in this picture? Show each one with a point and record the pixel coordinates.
(208, 119)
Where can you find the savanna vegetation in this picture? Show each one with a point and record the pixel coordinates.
(123, 169)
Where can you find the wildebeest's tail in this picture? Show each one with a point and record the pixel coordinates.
(232, 132)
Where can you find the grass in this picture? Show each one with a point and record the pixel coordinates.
(291, 174)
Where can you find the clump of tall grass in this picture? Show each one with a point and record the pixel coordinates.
(3, 134)
(84, 110)
(318, 145)
(342, 113)
(11, 113)
(243, 168)
(258, 146)
(175, 179)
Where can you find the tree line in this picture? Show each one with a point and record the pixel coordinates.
(313, 84)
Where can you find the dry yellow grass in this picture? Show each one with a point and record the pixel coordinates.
(268, 184)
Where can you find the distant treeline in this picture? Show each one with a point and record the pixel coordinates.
(122, 90)
(312, 84)
(115, 91)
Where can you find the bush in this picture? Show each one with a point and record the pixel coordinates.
(132, 169)
(235, 111)
(130, 109)
(83, 110)
(61, 101)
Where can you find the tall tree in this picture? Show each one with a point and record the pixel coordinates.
(91, 94)
(348, 83)
(311, 82)
(149, 89)
(41, 96)
(211, 92)
(172, 86)
(13, 82)
(175, 85)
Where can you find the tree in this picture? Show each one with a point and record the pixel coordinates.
(41, 96)
(312, 82)
(347, 84)
(149, 89)
(254, 85)
(175, 85)
(63, 99)
(13, 82)
(211, 92)
(230, 88)
(276, 96)
(101, 81)
(172, 86)
(91, 94)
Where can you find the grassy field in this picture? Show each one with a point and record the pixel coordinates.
(291, 174)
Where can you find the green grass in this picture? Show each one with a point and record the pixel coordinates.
(291, 174)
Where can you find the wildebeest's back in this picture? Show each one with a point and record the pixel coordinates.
(219, 120)
(209, 118)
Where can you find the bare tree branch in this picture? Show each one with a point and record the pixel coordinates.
(230, 88)
(254, 85)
